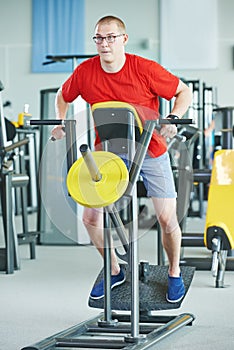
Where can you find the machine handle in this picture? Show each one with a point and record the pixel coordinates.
(90, 162)
(176, 121)
(47, 122)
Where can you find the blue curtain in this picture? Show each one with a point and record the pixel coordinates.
(57, 29)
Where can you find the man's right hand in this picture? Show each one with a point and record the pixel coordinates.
(58, 132)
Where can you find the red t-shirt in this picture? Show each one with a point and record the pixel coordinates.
(140, 82)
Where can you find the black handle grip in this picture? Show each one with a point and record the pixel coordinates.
(180, 138)
(46, 122)
(176, 121)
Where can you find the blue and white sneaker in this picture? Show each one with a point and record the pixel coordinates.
(98, 290)
(176, 290)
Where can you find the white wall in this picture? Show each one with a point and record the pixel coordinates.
(223, 76)
(21, 86)
(142, 19)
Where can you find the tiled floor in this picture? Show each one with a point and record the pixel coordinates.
(50, 294)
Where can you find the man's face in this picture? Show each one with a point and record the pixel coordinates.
(110, 51)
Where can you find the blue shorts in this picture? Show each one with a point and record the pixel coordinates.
(157, 176)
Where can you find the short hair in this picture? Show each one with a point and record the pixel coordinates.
(108, 19)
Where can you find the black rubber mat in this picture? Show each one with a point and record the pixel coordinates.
(152, 293)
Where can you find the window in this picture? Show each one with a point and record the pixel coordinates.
(57, 29)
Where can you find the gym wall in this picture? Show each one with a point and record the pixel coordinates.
(142, 19)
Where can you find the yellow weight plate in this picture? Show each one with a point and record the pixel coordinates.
(98, 194)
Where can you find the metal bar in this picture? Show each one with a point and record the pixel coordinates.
(121, 328)
(118, 226)
(70, 130)
(16, 145)
(6, 197)
(58, 58)
(3, 134)
(69, 337)
(71, 147)
(219, 282)
(107, 321)
(92, 343)
(227, 123)
(73, 331)
(140, 155)
(192, 240)
(133, 249)
(90, 162)
(165, 330)
(142, 147)
(227, 137)
(176, 121)
(107, 269)
(47, 122)
(145, 318)
(133, 239)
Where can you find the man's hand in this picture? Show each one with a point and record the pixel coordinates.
(58, 132)
(61, 108)
(168, 130)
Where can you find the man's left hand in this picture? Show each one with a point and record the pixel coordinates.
(168, 130)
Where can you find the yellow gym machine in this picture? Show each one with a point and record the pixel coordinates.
(101, 179)
(218, 235)
(219, 228)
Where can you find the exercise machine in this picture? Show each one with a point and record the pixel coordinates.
(100, 179)
(9, 179)
(217, 235)
(219, 228)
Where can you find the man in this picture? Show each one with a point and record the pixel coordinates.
(114, 75)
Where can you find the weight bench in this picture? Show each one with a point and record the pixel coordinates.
(145, 286)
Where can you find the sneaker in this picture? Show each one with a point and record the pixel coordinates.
(98, 290)
(176, 289)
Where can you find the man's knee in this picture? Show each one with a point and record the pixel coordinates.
(92, 217)
(169, 224)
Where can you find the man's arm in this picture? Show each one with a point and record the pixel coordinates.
(61, 108)
(183, 99)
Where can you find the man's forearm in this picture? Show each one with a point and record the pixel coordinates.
(61, 107)
(183, 100)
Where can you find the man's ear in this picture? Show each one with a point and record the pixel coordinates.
(125, 39)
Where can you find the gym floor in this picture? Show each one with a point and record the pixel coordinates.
(49, 294)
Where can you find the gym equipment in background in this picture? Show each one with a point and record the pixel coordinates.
(219, 209)
(219, 228)
(52, 231)
(9, 179)
(201, 111)
(145, 286)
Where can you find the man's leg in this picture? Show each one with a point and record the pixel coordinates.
(165, 210)
(93, 221)
(171, 239)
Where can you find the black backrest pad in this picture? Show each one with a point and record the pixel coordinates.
(112, 125)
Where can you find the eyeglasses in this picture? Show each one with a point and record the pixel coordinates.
(109, 38)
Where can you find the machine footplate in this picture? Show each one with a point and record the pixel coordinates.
(152, 293)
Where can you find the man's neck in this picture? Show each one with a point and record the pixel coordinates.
(113, 67)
